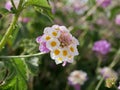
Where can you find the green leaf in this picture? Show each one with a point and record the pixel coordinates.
(45, 12)
(41, 6)
(20, 67)
(17, 81)
(114, 12)
(40, 3)
(4, 11)
(32, 65)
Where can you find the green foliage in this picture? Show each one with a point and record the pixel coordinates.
(114, 12)
(4, 11)
(17, 78)
(41, 6)
(40, 3)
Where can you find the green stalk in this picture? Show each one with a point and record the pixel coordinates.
(12, 26)
(13, 4)
(9, 32)
(22, 56)
(99, 83)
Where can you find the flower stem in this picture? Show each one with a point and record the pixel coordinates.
(12, 25)
(99, 83)
(13, 4)
(99, 63)
(22, 56)
(115, 60)
(9, 32)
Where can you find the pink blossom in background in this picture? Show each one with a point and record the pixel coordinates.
(117, 19)
(102, 47)
(8, 5)
(24, 19)
(104, 3)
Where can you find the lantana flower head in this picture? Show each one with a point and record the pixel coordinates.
(102, 47)
(59, 42)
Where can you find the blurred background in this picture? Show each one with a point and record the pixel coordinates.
(88, 20)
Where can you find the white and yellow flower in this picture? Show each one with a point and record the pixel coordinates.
(52, 44)
(57, 56)
(73, 49)
(47, 30)
(46, 37)
(55, 33)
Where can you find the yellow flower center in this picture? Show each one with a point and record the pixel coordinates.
(56, 52)
(48, 38)
(53, 43)
(65, 53)
(71, 49)
(54, 33)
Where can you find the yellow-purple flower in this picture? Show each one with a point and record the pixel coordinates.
(60, 43)
(107, 72)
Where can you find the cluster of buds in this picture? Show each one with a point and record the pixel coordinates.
(107, 72)
(60, 43)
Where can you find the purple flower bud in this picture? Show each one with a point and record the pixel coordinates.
(38, 39)
(117, 20)
(102, 47)
(103, 3)
(43, 47)
(24, 20)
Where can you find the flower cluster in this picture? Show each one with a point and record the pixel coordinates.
(107, 72)
(103, 3)
(77, 77)
(59, 42)
(102, 47)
